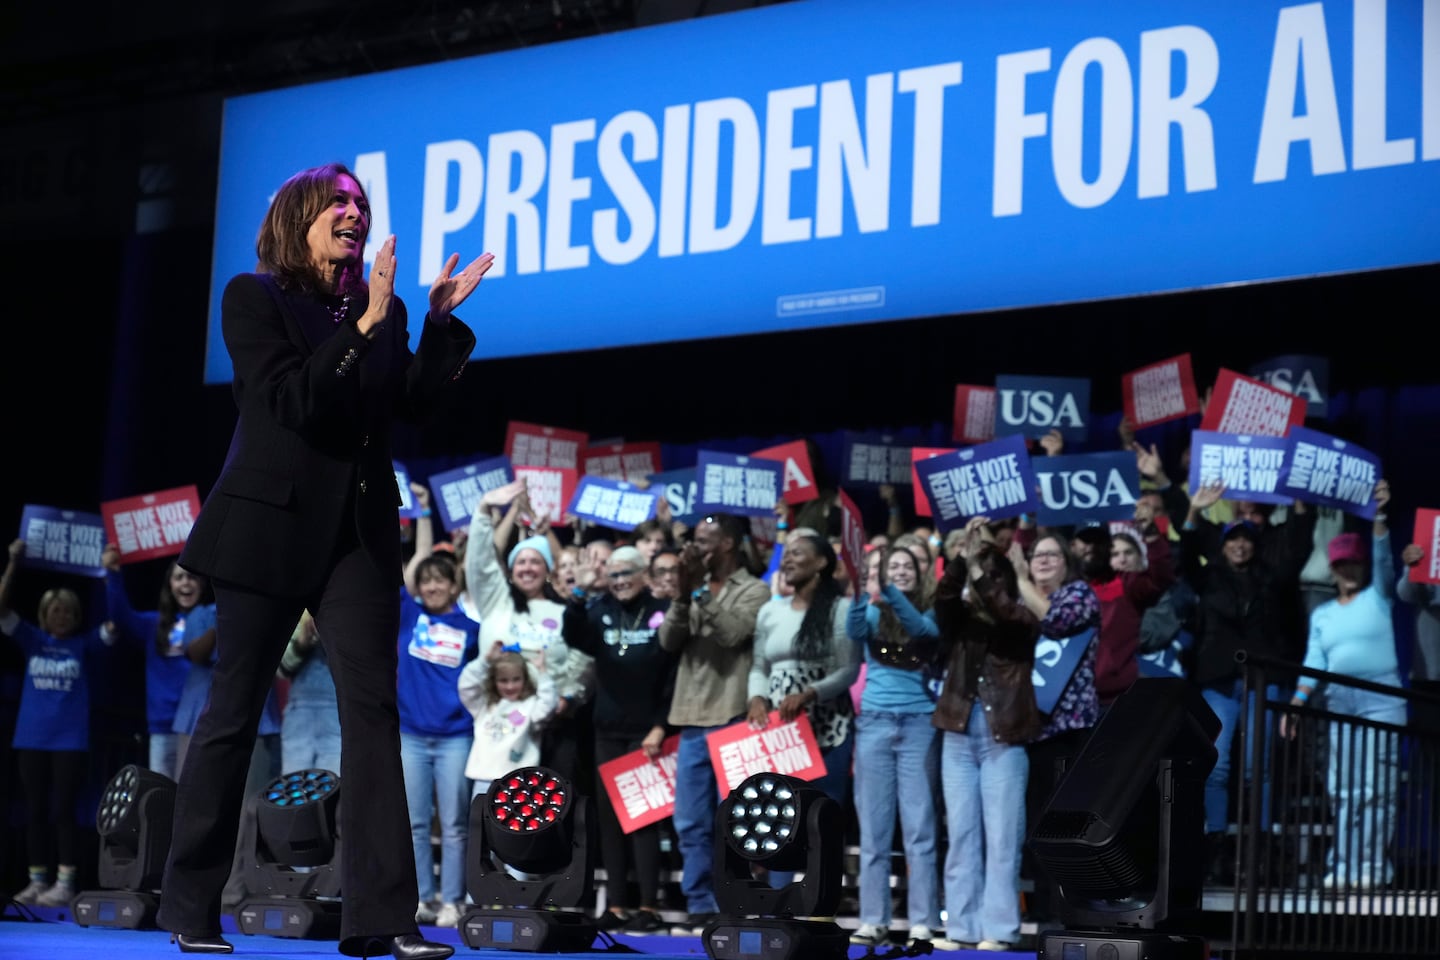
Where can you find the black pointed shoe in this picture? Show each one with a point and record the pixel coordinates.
(189, 944)
(407, 946)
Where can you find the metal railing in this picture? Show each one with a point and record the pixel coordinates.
(1344, 858)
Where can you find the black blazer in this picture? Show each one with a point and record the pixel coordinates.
(316, 401)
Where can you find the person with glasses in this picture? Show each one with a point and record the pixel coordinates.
(1052, 588)
(710, 625)
(634, 681)
(665, 573)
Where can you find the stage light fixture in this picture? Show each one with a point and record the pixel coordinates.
(134, 821)
(784, 824)
(293, 875)
(1124, 832)
(532, 821)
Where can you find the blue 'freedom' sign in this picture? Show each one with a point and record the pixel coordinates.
(812, 164)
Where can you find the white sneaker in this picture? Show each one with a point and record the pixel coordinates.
(59, 895)
(870, 934)
(995, 946)
(946, 944)
(920, 932)
(32, 892)
(425, 913)
(449, 915)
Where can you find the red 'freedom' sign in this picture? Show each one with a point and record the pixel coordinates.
(1160, 391)
(739, 751)
(1244, 405)
(641, 790)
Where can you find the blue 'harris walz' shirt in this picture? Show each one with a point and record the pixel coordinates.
(55, 699)
(433, 650)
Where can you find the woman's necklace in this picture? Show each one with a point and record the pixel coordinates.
(338, 313)
(625, 629)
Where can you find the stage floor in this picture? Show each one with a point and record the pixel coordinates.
(54, 935)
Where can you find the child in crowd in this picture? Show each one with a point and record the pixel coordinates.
(436, 641)
(507, 697)
(52, 730)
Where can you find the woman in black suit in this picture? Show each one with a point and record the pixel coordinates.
(303, 516)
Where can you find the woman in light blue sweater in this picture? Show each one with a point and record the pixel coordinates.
(1354, 634)
(897, 751)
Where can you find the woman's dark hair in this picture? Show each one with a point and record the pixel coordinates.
(1098, 566)
(282, 248)
(441, 563)
(650, 526)
(817, 629)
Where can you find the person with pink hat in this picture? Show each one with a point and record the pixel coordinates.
(1354, 635)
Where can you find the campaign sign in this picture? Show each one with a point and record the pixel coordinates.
(679, 489)
(621, 461)
(1033, 406)
(1250, 467)
(1055, 663)
(550, 489)
(612, 503)
(730, 483)
(1427, 535)
(1304, 376)
(533, 445)
(875, 460)
(1245, 406)
(974, 414)
(642, 791)
(1087, 486)
(456, 493)
(739, 751)
(152, 524)
(1161, 663)
(62, 540)
(1331, 472)
(1159, 392)
(917, 454)
(852, 538)
(993, 479)
(408, 507)
(799, 474)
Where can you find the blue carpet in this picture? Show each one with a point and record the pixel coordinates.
(54, 936)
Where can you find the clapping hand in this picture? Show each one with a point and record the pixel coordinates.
(448, 292)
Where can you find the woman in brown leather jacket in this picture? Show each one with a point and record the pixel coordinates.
(987, 712)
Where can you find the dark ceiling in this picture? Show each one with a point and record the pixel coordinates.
(58, 59)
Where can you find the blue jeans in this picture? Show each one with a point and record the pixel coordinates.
(1362, 781)
(437, 765)
(984, 783)
(835, 784)
(1226, 704)
(895, 754)
(310, 736)
(697, 796)
(165, 754)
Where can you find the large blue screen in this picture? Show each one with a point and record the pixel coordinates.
(829, 162)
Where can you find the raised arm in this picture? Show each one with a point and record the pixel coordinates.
(424, 536)
(484, 577)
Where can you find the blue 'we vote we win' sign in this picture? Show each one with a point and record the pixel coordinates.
(993, 479)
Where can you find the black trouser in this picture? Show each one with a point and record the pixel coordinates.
(51, 781)
(617, 847)
(357, 612)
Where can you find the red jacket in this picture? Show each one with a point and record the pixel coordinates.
(1123, 601)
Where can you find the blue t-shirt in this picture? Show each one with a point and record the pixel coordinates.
(196, 692)
(164, 672)
(891, 689)
(433, 650)
(55, 699)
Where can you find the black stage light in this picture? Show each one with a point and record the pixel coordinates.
(134, 821)
(783, 824)
(1123, 836)
(531, 821)
(293, 873)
